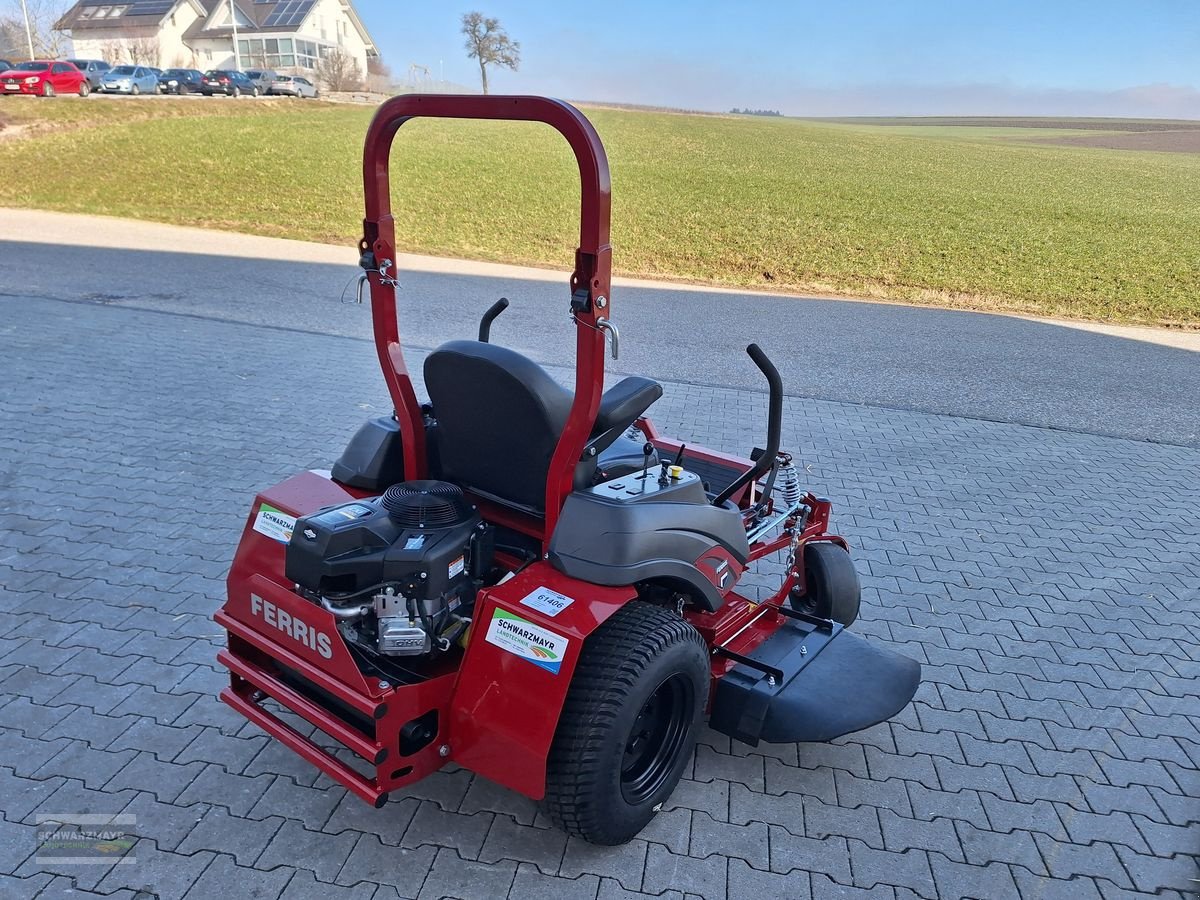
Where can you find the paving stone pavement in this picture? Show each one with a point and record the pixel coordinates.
(1047, 581)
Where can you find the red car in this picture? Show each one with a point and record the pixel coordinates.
(44, 78)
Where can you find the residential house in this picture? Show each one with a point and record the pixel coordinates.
(285, 35)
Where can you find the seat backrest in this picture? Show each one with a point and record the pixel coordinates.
(499, 418)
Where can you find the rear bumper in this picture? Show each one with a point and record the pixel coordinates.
(812, 681)
(382, 754)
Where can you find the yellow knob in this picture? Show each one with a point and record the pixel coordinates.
(676, 471)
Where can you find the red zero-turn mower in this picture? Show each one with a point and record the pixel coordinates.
(532, 582)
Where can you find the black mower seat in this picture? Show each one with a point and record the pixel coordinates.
(500, 415)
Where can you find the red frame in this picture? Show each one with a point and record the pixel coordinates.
(483, 702)
(593, 274)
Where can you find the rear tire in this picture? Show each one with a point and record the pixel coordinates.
(84, 89)
(237, 92)
(629, 724)
(832, 589)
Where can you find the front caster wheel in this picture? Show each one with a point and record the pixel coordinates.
(831, 587)
(629, 724)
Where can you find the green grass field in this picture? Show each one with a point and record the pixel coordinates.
(970, 217)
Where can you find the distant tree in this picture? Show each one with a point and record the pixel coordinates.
(113, 51)
(489, 44)
(339, 71)
(143, 51)
(44, 16)
(379, 75)
(755, 112)
(12, 38)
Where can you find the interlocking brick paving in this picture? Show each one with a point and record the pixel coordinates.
(1047, 580)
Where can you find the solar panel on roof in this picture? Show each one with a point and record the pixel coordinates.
(149, 7)
(289, 12)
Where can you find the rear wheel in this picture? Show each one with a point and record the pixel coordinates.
(237, 92)
(84, 89)
(831, 586)
(629, 724)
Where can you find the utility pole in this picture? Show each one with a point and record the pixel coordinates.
(28, 30)
(237, 55)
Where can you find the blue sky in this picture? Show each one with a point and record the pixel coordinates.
(870, 57)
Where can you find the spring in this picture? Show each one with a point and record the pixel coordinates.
(787, 482)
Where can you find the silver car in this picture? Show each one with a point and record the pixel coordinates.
(129, 80)
(293, 86)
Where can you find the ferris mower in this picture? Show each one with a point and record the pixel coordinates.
(530, 581)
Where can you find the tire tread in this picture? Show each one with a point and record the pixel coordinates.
(607, 672)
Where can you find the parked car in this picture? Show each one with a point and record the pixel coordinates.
(181, 81)
(293, 86)
(129, 80)
(5, 64)
(44, 77)
(264, 78)
(229, 82)
(94, 69)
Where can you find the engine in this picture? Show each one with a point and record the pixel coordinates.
(399, 572)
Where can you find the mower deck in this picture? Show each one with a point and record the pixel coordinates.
(801, 685)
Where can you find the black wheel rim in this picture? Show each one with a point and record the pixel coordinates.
(809, 602)
(657, 738)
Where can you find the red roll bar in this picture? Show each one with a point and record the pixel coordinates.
(590, 282)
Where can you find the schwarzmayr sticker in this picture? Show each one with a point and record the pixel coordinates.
(526, 640)
(274, 524)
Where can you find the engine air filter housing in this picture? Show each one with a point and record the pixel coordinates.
(426, 504)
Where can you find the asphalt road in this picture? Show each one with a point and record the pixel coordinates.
(1124, 382)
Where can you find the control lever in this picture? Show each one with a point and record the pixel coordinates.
(605, 325)
(485, 324)
(647, 452)
(774, 426)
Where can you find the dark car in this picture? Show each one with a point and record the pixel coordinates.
(263, 78)
(94, 69)
(180, 81)
(5, 64)
(229, 82)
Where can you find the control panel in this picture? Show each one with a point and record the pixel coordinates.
(650, 484)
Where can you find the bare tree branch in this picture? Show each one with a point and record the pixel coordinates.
(339, 71)
(44, 16)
